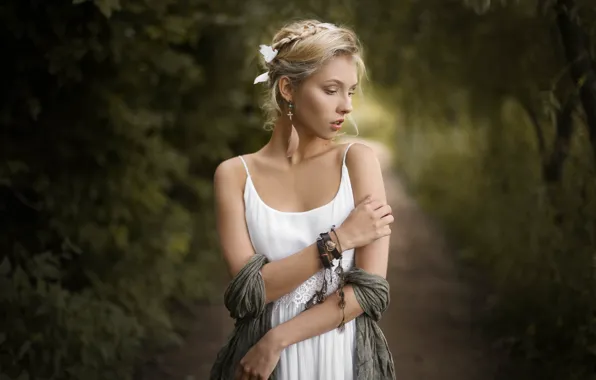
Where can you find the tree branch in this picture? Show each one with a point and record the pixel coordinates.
(553, 168)
(582, 72)
(537, 128)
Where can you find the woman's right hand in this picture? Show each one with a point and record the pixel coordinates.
(367, 222)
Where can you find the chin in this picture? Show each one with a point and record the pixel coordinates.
(328, 136)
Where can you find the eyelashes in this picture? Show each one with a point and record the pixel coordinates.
(333, 92)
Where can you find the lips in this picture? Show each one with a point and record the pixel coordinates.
(336, 125)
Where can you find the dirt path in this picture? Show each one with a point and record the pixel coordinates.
(428, 324)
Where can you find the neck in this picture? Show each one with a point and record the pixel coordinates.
(309, 145)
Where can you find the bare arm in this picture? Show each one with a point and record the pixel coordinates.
(281, 276)
(366, 177)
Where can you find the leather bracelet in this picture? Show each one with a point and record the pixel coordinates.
(341, 251)
(323, 253)
(330, 245)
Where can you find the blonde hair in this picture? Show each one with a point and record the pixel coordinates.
(303, 47)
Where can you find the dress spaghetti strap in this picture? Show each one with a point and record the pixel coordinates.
(245, 166)
(346, 153)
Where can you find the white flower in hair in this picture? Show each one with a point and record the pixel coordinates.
(262, 78)
(268, 53)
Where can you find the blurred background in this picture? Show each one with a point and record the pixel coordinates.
(115, 113)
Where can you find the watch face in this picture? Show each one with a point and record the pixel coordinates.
(330, 245)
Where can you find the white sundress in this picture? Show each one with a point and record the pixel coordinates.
(279, 234)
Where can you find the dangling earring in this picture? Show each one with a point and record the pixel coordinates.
(293, 140)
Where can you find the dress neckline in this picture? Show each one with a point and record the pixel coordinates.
(312, 210)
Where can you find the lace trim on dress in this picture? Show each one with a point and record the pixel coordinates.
(302, 294)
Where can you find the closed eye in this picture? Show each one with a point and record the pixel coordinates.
(333, 92)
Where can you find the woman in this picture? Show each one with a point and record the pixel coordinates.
(283, 202)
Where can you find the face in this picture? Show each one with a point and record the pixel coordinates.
(323, 100)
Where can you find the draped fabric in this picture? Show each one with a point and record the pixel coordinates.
(245, 299)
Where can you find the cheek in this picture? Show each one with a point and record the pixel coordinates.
(317, 105)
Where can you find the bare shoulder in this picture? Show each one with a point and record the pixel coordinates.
(358, 152)
(230, 172)
(229, 180)
(362, 159)
(365, 172)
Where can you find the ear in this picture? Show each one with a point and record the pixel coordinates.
(285, 88)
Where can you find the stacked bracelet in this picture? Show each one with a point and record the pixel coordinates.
(340, 288)
(323, 254)
(321, 294)
(336, 238)
(327, 252)
(330, 245)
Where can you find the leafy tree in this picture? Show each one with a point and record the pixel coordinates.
(113, 117)
(499, 95)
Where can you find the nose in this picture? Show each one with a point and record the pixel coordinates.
(346, 106)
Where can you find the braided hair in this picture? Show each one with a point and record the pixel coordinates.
(309, 27)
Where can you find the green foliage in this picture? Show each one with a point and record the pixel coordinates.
(532, 243)
(476, 94)
(114, 116)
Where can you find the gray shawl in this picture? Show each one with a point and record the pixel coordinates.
(245, 299)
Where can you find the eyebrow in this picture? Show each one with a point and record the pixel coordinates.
(339, 82)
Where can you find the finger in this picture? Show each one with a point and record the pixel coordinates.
(382, 211)
(387, 219)
(243, 373)
(385, 231)
(375, 204)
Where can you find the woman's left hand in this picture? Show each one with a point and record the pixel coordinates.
(260, 361)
